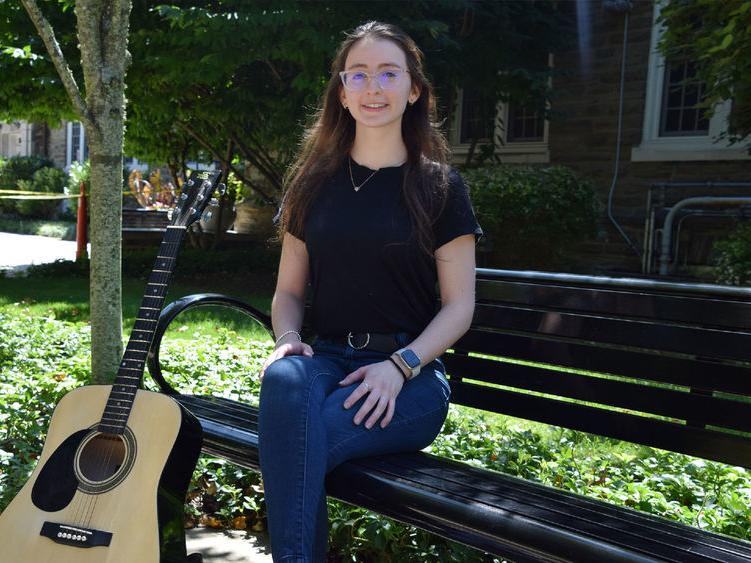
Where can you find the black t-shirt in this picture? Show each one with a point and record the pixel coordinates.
(361, 281)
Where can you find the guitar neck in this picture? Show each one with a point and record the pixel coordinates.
(130, 372)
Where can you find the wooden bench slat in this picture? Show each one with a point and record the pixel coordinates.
(692, 310)
(706, 342)
(687, 372)
(694, 408)
(565, 509)
(709, 444)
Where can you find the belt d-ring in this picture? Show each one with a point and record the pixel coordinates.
(349, 341)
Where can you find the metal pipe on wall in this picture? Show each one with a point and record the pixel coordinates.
(667, 229)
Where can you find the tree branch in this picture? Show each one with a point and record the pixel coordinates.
(255, 160)
(215, 153)
(58, 59)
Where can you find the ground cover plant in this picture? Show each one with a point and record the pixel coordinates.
(44, 354)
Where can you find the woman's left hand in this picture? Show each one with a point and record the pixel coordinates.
(382, 383)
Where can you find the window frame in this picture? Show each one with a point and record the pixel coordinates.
(657, 148)
(82, 148)
(509, 151)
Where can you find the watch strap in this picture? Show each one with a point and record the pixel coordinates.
(412, 371)
(393, 361)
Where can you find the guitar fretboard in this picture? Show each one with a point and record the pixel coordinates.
(130, 372)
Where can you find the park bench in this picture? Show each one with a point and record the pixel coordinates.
(662, 364)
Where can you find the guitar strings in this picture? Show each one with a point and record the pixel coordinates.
(170, 253)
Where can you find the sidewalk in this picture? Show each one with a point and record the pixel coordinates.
(18, 252)
(231, 546)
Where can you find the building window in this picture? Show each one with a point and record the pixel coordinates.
(524, 125)
(77, 147)
(674, 129)
(477, 117)
(520, 133)
(681, 95)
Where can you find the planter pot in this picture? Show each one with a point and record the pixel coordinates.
(255, 221)
(210, 223)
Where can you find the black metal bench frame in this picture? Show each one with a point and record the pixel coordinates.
(679, 378)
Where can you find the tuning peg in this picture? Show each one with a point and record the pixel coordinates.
(221, 189)
(183, 197)
(190, 183)
(200, 197)
(214, 202)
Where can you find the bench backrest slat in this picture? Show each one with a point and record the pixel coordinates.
(661, 364)
(679, 404)
(691, 309)
(685, 371)
(710, 444)
(613, 331)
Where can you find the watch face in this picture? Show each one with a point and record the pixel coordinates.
(411, 358)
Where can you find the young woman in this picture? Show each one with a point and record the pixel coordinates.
(372, 217)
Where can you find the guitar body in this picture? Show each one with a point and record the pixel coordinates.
(99, 497)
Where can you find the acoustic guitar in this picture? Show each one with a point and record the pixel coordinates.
(110, 483)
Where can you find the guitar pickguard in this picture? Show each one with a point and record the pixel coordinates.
(57, 484)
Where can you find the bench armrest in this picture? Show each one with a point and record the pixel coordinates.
(172, 310)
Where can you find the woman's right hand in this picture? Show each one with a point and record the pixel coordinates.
(295, 348)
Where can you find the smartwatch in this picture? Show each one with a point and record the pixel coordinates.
(409, 360)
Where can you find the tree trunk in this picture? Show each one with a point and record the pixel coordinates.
(103, 41)
(103, 38)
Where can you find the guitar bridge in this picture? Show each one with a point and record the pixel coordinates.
(75, 535)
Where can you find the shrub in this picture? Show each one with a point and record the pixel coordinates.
(192, 262)
(531, 214)
(18, 168)
(45, 180)
(733, 261)
(21, 168)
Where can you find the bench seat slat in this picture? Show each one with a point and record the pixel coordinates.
(561, 507)
(709, 444)
(706, 342)
(432, 492)
(694, 408)
(705, 311)
(687, 372)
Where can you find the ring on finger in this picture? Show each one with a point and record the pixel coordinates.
(367, 385)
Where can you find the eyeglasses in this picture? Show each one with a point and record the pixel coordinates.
(357, 80)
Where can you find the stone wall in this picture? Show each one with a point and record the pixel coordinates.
(584, 138)
(57, 145)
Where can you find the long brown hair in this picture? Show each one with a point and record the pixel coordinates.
(327, 142)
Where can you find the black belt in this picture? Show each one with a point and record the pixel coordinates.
(386, 343)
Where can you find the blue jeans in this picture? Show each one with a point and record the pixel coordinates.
(304, 432)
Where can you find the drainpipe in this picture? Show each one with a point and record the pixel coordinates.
(667, 228)
(623, 6)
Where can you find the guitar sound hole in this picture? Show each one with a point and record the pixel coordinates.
(101, 457)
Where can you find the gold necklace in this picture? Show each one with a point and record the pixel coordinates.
(357, 188)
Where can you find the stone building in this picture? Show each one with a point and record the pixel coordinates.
(663, 140)
(624, 119)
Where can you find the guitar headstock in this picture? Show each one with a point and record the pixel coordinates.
(195, 196)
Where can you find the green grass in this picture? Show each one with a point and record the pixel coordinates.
(68, 299)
